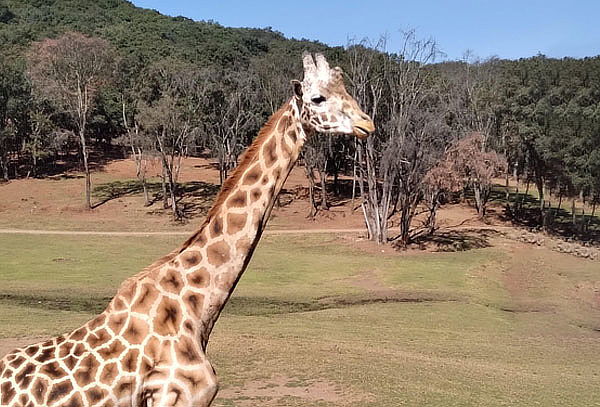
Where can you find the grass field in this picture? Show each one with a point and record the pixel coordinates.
(317, 321)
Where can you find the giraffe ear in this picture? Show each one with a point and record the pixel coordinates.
(297, 88)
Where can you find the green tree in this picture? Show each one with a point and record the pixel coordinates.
(70, 71)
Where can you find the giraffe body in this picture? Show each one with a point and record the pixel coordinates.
(148, 347)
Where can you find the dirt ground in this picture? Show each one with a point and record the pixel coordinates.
(56, 203)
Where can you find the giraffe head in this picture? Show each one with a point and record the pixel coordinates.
(326, 106)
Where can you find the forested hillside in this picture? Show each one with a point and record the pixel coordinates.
(164, 88)
(135, 32)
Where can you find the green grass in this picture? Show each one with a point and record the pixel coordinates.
(498, 326)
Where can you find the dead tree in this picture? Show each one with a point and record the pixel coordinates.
(169, 114)
(394, 161)
(141, 147)
(315, 156)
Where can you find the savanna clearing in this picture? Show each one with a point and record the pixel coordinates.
(323, 320)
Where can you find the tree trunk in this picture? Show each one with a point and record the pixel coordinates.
(34, 158)
(525, 194)
(164, 188)
(353, 180)
(4, 166)
(311, 191)
(592, 215)
(146, 195)
(86, 168)
(539, 183)
(172, 189)
(507, 184)
(323, 178)
(479, 202)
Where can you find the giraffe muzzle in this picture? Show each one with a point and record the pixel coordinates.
(363, 129)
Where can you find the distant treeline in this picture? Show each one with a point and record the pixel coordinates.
(164, 88)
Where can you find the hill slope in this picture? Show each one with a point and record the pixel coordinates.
(136, 32)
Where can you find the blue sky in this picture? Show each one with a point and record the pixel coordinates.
(504, 28)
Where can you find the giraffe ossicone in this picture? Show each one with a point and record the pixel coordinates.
(148, 347)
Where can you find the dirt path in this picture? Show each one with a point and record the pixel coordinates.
(165, 233)
(188, 232)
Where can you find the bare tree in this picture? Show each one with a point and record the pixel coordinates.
(141, 148)
(169, 114)
(439, 181)
(411, 132)
(366, 72)
(316, 154)
(70, 70)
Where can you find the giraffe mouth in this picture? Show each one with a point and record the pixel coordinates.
(363, 129)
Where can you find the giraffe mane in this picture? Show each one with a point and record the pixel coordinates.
(245, 160)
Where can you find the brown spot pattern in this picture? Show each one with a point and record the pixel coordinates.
(252, 175)
(46, 355)
(218, 253)
(114, 350)
(270, 152)
(95, 394)
(199, 278)
(99, 338)
(237, 200)
(24, 377)
(235, 222)
(136, 331)
(256, 194)
(191, 258)
(216, 226)
(130, 361)
(195, 303)
(79, 334)
(168, 318)
(86, 371)
(97, 322)
(39, 389)
(144, 301)
(6, 393)
(187, 353)
(172, 282)
(109, 373)
(59, 390)
(70, 361)
(74, 401)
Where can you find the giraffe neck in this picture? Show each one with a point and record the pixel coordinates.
(218, 254)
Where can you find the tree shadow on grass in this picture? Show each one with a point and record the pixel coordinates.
(109, 191)
(455, 241)
(523, 209)
(194, 198)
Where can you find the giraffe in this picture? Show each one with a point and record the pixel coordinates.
(148, 347)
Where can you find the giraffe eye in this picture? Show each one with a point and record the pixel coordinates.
(317, 100)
